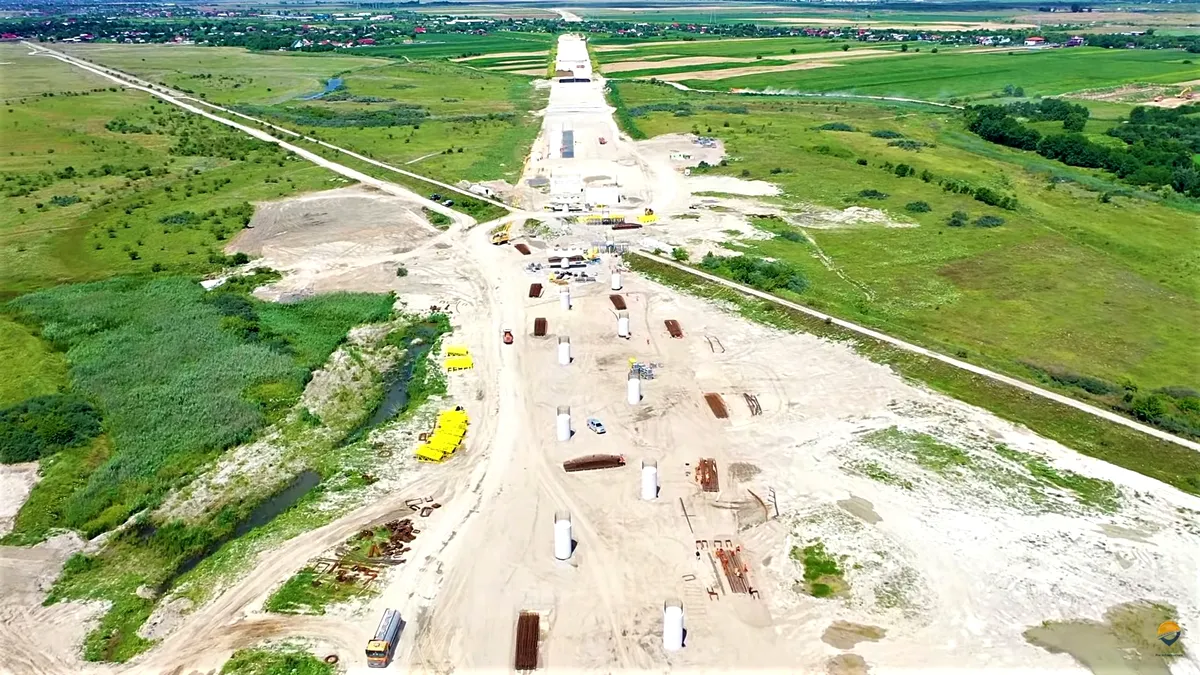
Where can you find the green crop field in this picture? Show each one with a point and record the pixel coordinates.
(1067, 282)
(455, 45)
(738, 48)
(226, 75)
(950, 74)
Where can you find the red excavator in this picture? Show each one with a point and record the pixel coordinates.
(508, 336)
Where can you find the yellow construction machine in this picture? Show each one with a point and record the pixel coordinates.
(502, 234)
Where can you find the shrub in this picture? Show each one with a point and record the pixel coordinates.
(836, 126)
(917, 207)
(886, 133)
(40, 427)
(401, 271)
(958, 219)
(756, 272)
(679, 253)
(792, 235)
(908, 144)
(860, 161)
(989, 221)
(872, 194)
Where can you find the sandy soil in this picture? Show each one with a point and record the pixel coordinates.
(16, 482)
(735, 72)
(322, 237)
(39, 639)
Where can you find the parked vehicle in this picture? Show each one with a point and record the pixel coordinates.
(435, 197)
(596, 425)
(508, 336)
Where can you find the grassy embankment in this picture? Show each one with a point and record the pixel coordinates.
(282, 661)
(1089, 296)
(454, 122)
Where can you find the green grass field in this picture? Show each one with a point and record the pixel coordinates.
(456, 121)
(742, 48)
(948, 75)
(1096, 288)
(456, 45)
(226, 75)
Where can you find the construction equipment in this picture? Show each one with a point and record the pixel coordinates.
(508, 336)
(1185, 93)
(458, 363)
(648, 217)
(382, 646)
(603, 140)
(457, 350)
(502, 234)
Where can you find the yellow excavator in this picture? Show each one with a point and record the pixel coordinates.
(502, 234)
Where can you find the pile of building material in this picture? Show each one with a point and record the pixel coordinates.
(753, 404)
(528, 630)
(523, 248)
(400, 534)
(535, 290)
(735, 569)
(539, 327)
(674, 329)
(706, 475)
(447, 436)
(617, 301)
(592, 462)
(717, 404)
(644, 371)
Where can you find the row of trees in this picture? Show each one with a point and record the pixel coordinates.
(1159, 143)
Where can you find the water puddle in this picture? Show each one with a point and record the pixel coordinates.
(261, 515)
(331, 85)
(1125, 643)
(420, 338)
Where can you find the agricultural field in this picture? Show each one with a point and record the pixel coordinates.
(459, 45)
(1035, 290)
(962, 74)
